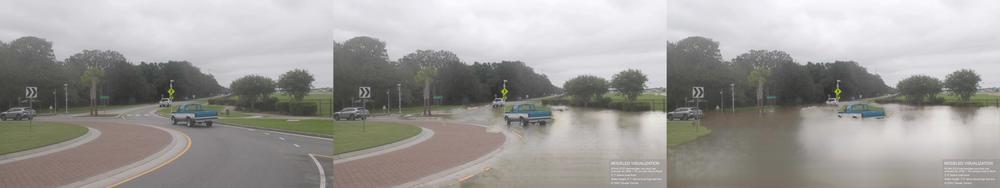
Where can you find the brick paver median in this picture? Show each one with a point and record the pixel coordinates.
(120, 144)
(452, 145)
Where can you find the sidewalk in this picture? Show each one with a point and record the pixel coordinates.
(119, 145)
(452, 145)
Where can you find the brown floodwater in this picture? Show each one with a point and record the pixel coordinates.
(811, 147)
(574, 151)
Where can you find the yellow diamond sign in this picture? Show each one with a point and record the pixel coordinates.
(837, 91)
(503, 91)
(170, 91)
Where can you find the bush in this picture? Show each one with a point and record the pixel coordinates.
(302, 108)
(267, 104)
(281, 107)
(630, 106)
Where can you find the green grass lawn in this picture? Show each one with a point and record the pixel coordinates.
(350, 137)
(679, 132)
(982, 99)
(348, 134)
(85, 109)
(15, 135)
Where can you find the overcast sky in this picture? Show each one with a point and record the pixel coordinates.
(559, 38)
(895, 39)
(227, 38)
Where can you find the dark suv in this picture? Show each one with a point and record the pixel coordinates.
(18, 113)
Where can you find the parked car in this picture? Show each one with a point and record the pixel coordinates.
(526, 114)
(166, 102)
(685, 113)
(351, 113)
(18, 113)
(832, 101)
(193, 114)
(498, 103)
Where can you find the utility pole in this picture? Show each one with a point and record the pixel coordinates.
(388, 103)
(722, 100)
(66, 96)
(55, 103)
(732, 87)
(399, 95)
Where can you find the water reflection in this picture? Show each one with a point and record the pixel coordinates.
(811, 147)
(574, 151)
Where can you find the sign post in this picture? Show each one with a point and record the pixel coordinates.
(504, 91)
(31, 93)
(364, 93)
(838, 91)
(697, 93)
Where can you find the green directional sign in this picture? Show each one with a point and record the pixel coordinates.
(105, 97)
(439, 97)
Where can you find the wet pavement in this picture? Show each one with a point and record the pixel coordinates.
(811, 147)
(573, 151)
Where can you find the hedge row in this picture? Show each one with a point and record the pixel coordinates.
(296, 108)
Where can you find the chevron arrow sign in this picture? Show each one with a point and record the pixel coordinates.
(365, 92)
(698, 92)
(31, 92)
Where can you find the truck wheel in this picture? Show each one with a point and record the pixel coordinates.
(507, 120)
(542, 123)
(190, 122)
(524, 122)
(209, 123)
(18, 117)
(3, 118)
(335, 117)
(351, 117)
(173, 120)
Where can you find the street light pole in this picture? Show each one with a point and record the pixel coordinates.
(732, 87)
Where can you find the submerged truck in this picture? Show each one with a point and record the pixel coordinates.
(526, 114)
(193, 114)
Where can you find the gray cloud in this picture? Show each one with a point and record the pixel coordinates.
(561, 39)
(895, 39)
(227, 38)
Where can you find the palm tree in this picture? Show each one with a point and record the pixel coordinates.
(93, 76)
(426, 74)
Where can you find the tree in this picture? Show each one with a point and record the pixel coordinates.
(297, 83)
(586, 87)
(425, 75)
(918, 87)
(630, 83)
(95, 63)
(964, 83)
(252, 88)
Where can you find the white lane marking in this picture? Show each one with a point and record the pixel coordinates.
(282, 138)
(249, 129)
(322, 174)
(296, 145)
(267, 133)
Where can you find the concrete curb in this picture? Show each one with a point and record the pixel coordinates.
(425, 134)
(455, 175)
(177, 147)
(57, 147)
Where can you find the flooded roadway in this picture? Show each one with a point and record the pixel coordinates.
(574, 151)
(811, 147)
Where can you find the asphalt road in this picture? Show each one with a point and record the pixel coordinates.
(228, 156)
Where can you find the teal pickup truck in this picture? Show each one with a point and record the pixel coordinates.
(526, 114)
(193, 114)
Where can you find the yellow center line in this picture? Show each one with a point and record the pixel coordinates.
(160, 165)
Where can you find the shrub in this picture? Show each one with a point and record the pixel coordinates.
(281, 107)
(630, 106)
(302, 108)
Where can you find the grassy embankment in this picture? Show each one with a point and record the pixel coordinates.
(680, 132)
(16, 136)
(980, 99)
(350, 135)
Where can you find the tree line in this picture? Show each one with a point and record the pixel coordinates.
(30, 61)
(363, 61)
(756, 74)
